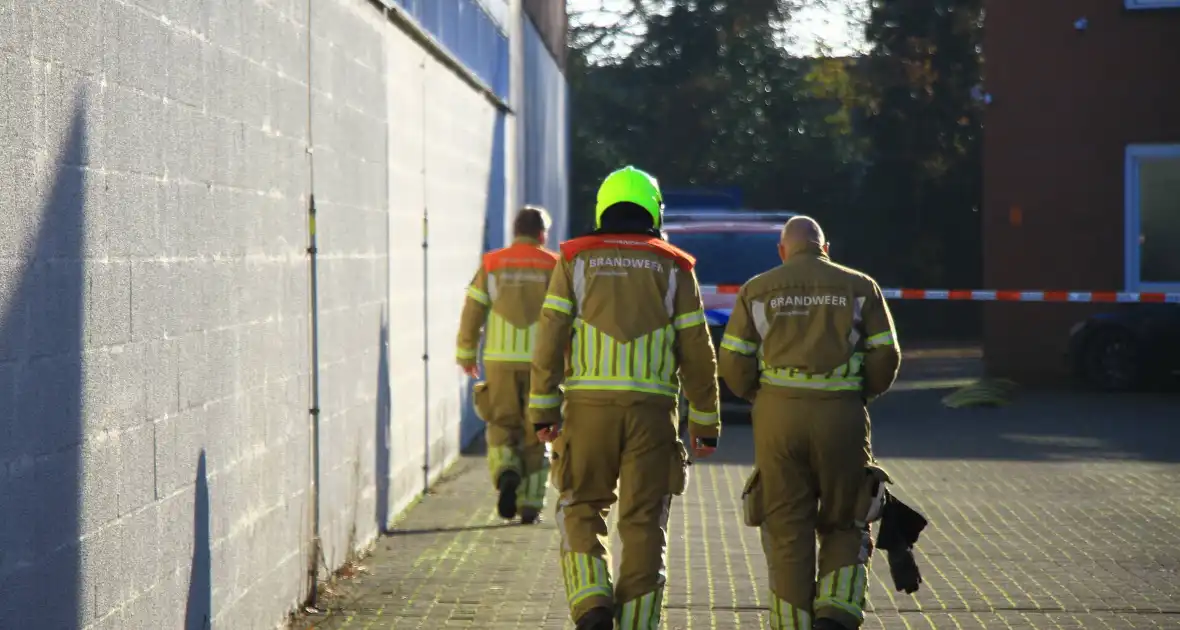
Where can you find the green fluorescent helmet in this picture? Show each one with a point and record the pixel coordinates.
(630, 184)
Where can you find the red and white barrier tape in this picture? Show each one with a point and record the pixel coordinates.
(1080, 297)
(969, 295)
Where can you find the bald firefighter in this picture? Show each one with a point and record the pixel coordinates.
(503, 303)
(627, 305)
(810, 343)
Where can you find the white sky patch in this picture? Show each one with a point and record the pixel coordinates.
(833, 26)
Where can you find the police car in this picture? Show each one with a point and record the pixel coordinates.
(731, 246)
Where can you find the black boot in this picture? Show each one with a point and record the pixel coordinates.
(529, 515)
(508, 483)
(599, 618)
(825, 623)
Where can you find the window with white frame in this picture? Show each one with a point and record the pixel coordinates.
(1151, 4)
(1153, 217)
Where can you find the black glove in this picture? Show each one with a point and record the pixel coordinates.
(904, 570)
(900, 527)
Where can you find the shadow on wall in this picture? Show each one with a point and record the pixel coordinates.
(198, 611)
(470, 426)
(41, 427)
(381, 439)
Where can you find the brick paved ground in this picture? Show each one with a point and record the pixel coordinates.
(1060, 511)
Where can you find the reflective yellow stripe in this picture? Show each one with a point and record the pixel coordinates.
(703, 417)
(585, 577)
(784, 616)
(645, 364)
(622, 385)
(642, 613)
(465, 354)
(508, 357)
(739, 346)
(844, 589)
(478, 296)
(688, 320)
(774, 377)
(544, 401)
(878, 340)
(558, 304)
(844, 378)
(507, 343)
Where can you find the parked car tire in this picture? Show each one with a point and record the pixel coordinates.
(1110, 361)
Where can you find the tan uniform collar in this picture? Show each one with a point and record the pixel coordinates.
(525, 240)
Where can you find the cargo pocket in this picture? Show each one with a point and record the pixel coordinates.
(480, 399)
(752, 510)
(678, 474)
(558, 467)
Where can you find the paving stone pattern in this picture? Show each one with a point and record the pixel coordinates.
(1059, 511)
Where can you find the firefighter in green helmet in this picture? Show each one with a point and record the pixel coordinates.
(626, 307)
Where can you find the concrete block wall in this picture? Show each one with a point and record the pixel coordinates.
(153, 331)
(349, 115)
(155, 381)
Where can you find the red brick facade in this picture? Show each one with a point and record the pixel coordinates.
(1066, 103)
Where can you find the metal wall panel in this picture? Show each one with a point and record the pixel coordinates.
(552, 21)
(546, 133)
(469, 31)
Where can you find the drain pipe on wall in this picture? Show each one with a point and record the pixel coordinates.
(513, 120)
(316, 549)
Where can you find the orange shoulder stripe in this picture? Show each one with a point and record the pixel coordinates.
(683, 259)
(520, 256)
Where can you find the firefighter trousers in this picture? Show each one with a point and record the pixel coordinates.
(501, 400)
(810, 454)
(636, 451)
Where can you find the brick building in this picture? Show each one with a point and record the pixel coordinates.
(1081, 165)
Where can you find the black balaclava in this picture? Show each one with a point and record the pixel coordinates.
(627, 218)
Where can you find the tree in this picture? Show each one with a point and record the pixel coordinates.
(707, 95)
(923, 185)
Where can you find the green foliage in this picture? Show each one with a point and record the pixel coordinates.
(708, 96)
(925, 130)
(883, 148)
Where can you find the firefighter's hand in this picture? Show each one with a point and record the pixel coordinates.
(547, 432)
(470, 369)
(703, 447)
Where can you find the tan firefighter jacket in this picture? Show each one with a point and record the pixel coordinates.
(504, 302)
(628, 309)
(812, 326)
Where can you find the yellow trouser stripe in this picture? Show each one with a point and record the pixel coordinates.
(642, 613)
(585, 576)
(532, 491)
(501, 459)
(845, 589)
(784, 616)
